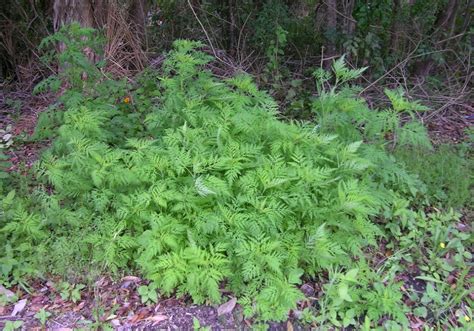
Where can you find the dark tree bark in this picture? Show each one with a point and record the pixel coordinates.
(396, 26)
(467, 15)
(94, 13)
(138, 12)
(446, 17)
(331, 15)
(232, 27)
(125, 26)
(331, 27)
(68, 11)
(349, 21)
(443, 29)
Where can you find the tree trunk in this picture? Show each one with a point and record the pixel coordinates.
(444, 28)
(68, 11)
(446, 18)
(331, 29)
(349, 21)
(138, 12)
(396, 26)
(232, 27)
(467, 15)
(125, 26)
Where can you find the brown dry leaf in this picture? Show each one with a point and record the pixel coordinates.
(416, 323)
(79, 306)
(289, 326)
(35, 307)
(139, 316)
(111, 317)
(130, 279)
(157, 319)
(102, 282)
(115, 322)
(227, 307)
(19, 306)
(38, 299)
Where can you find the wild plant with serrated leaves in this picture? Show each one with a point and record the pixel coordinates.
(219, 190)
(339, 109)
(78, 45)
(359, 294)
(201, 188)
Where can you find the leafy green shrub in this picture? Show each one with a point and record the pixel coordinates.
(398, 143)
(361, 292)
(75, 68)
(20, 231)
(274, 15)
(340, 110)
(217, 189)
(195, 182)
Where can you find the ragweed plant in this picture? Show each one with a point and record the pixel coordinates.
(197, 185)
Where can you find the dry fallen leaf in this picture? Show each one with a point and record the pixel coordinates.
(19, 306)
(138, 316)
(130, 279)
(157, 319)
(79, 306)
(115, 322)
(227, 307)
(111, 317)
(102, 282)
(289, 326)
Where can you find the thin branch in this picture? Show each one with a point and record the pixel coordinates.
(203, 29)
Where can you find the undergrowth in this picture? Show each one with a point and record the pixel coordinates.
(446, 171)
(194, 182)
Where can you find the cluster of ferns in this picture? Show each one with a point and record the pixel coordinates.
(199, 186)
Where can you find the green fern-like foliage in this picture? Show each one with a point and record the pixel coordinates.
(204, 188)
(340, 110)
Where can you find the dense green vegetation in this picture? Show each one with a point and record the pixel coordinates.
(426, 38)
(194, 182)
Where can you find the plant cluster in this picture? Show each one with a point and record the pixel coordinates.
(196, 183)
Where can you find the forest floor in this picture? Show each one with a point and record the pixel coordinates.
(116, 303)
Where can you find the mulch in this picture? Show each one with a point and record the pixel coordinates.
(113, 303)
(451, 125)
(23, 122)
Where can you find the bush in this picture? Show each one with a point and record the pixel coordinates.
(215, 189)
(196, 183)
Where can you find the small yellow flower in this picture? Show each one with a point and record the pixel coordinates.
(126, 100)
(467, 318)
(442, 245)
